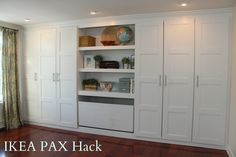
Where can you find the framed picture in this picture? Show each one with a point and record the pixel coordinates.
(89, 62)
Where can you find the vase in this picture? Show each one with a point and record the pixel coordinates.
(126, 66)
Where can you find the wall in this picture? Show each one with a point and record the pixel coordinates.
(232, 136)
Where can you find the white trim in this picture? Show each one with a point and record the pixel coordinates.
(106, 94)
(126, 19)
(124, 135)
(230, 152)
(129, 71)
(126, 47)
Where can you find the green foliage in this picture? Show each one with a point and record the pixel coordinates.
(126, 60)
(90, 82)
(98, 58)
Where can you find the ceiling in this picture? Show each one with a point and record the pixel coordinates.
(41, 11)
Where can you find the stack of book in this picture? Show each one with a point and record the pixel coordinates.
(126, 85)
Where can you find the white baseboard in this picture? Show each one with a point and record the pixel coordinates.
(230, 152)
(125, 135)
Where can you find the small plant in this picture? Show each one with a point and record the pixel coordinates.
(90, 82)
(126, 60)
(98, 58)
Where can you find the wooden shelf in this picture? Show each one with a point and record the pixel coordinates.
(106, 94)
(108, 70)
(126, 47)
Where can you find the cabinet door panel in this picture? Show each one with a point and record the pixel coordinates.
(66, 68)
(32, 110)
(212, 38)
(149, 64)
(179, 72)
(106, 116)
(47, 68)
(31, 89)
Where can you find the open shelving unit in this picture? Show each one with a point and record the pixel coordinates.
(104, 105)
(113, 53)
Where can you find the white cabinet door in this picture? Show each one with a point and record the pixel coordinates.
(32, 109)
(212, 48)
(47, 77)
(148, 77)
(106, 116)
(178, 78)
(66, 76)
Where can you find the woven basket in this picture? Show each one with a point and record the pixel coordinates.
(85, 41)
(90, 87)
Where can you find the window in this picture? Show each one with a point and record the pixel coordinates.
(1, 99)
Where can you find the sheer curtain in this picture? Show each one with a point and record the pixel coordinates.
(10, 86)
(0, 67)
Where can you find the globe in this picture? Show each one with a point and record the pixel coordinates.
(124, 34)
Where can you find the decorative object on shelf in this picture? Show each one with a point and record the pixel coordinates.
(126, 62)
(132, 61)
(90, 84)
(106, 86)
(115, 87)
(98, 59)
(124, 35)
(124, 85)
(85, 41)
(108, 43)
(108, 37)
(132, 85)
(109, 65)
(89, 62)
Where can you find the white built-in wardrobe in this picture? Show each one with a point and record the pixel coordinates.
(181, 78)
(50, 76)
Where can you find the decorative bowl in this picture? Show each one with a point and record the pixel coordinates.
(108, 43)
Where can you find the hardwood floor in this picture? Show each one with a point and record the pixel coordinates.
(111, 147)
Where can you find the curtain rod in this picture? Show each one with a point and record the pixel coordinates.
(9, 28)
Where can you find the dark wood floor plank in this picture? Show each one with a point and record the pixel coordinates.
(112, 147)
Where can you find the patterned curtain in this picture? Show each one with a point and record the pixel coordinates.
(10, 81)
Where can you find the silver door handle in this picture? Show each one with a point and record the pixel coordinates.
(197, 81)
(160, 80)
(53, 77)
(166, 79)
(35, 76)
